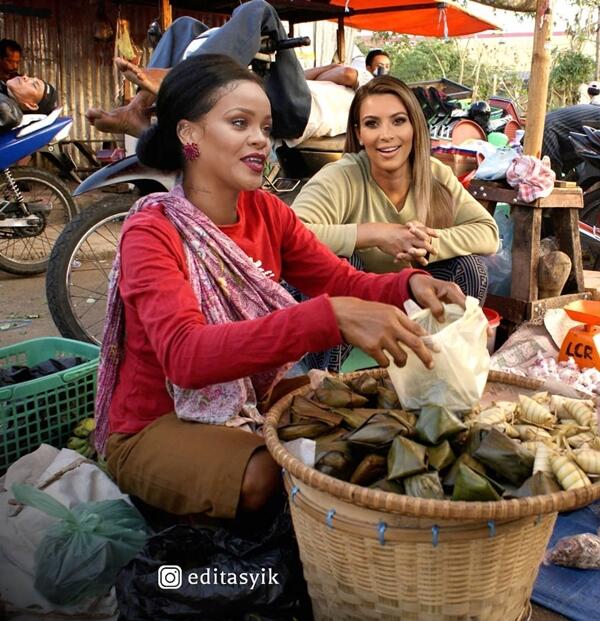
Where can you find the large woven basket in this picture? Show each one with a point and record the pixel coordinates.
(369, 554)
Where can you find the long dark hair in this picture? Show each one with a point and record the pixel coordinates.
(434, 207)
(189, 91)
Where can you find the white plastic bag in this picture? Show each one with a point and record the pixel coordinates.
(461, 366)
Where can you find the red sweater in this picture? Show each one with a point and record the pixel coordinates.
(168, 336)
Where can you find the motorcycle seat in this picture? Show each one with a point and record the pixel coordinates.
(333, 144)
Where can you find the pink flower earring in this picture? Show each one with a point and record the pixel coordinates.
(191, 151)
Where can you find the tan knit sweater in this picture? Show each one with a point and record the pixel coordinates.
(344, 194)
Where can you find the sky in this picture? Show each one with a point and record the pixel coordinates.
(510, 21)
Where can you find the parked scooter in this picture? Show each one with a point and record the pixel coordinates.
(587, 147)
(34, 204)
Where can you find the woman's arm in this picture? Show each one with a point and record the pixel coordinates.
(325, 205)
(311, 267)
(193, 353)
(474, 230)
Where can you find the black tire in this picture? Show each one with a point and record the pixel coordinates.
(79, 268)
(29, 255)
(590, 214)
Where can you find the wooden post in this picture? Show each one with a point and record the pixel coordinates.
(341, 41)
(538, 79)
(166, 14)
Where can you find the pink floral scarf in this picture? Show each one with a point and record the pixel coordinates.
(229, 287)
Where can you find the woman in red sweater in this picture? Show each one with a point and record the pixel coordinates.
(198, 329)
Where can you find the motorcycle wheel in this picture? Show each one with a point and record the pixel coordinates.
(79, 270)
(29, 255)
(590, 214)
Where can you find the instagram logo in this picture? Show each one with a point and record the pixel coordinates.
(169, 577)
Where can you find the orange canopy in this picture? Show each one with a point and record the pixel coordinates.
(429, 18)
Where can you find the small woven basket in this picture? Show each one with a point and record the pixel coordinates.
(369, 554)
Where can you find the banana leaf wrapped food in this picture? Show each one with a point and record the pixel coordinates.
(387, 398)
(377, 432)
(304, 410)
(436, 423)
(440, 456)
(335, 393)
(538, 484)
(424, 485)
(406, 458)
(335, 459)
(302, 430)
(466, 460)
(472, 486)
(365, 385)
(395, 487)
(357, 417)
(370, 469)
(504, 457)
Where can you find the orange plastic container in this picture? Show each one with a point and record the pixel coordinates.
(493, 321)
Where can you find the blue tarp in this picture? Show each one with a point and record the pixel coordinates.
(574, 593)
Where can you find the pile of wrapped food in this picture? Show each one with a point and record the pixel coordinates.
(534, 445)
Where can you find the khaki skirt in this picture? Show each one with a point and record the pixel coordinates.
(183, 467)
(187, 467)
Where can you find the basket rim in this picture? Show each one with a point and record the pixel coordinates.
(389, 502)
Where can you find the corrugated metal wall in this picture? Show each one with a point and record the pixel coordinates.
(61, 49)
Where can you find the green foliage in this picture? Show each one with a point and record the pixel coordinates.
(485, 71)
(569, 70)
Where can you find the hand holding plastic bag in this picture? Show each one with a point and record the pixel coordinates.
(81, 555)
(461, 366)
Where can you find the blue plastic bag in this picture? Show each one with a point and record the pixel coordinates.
(500, 264)
(495, 165)
(81, 555)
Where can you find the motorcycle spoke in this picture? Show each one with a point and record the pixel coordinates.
(42, 193)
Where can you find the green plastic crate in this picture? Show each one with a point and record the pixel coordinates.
(45, 410)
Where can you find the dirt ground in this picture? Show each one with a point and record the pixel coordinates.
(24, 315)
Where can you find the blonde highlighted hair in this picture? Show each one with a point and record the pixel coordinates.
(435, 207)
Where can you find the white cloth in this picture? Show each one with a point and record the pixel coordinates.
(330, 104)
(22, 532)
(198, 41)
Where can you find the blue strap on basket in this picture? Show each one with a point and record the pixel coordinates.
(329, 518)
(381, 527)
(435, 535)
(293, 492)
(492, 528)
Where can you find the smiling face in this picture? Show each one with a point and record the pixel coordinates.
(386, 132)
(233, 138)
(26, 91)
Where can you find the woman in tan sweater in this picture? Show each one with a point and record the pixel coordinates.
(391, 203)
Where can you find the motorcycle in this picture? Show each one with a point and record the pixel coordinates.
(34, 204)
(80, 262)
(587, 147)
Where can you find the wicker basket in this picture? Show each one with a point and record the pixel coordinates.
(369, 554)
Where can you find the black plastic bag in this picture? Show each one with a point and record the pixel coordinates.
(253, 573)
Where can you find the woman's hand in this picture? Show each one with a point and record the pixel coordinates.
(373, 327)
(405, 242)
(430, 292)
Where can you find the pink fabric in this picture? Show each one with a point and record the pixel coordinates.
(228, 286)
(533, 177)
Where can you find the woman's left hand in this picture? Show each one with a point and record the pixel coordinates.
(430, 292)
(421, 246)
